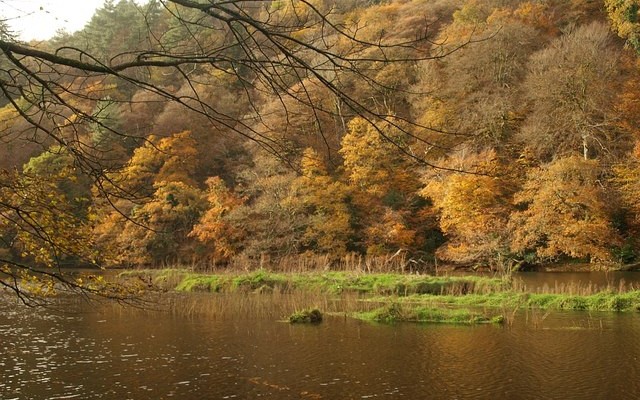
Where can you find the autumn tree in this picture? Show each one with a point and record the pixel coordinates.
(217, 138)
(473, 96)
(317, 122)
(168, 159)
(157, 232)
(379, 90)
(626, 180)
(131, 200)
(564, 213)
(219, 236)
(473, 208)
(14, 152)
(572, 87)
(40, 230)
(325, 201)
(623, 15)
(273, 225)
(388, 86)
(384, 185)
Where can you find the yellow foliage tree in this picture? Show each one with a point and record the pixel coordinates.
(376, 159)
(170, 159)
(39, 223)
(130, 196)
(328, 229)
(623, 15)
(473, 208)
(384, 186)
(565, 213)
(157, 232)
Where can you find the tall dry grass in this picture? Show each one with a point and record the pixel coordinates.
(398, 262)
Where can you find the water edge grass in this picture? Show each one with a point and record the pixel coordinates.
(392, 297)
(397, 312)
(601, 301)
(326, 282)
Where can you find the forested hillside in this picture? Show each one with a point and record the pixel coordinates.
(515, 140)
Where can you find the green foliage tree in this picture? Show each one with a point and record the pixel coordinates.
(623, 15)
(110, 144)
(56, 165)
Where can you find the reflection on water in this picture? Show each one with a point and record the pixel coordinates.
(220, 347)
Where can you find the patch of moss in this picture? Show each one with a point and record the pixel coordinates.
(313, 316)
(200, 283)
(259, 279)
(396, 312)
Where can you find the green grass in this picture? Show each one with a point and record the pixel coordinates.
(199, 283)
(602, 301)
(324, 282)
(415, 298)
(396, 312)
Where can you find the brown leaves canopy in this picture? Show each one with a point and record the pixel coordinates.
(572, 87)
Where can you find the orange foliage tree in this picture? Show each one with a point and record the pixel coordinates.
(564, 213)
(473, 208)
(219, 236)
(627, 180)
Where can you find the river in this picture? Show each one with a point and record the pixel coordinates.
(226, 347)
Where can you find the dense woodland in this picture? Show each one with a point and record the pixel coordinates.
(515, 141)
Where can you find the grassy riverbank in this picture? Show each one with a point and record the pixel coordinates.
(599, 301)
(402, 297)
(398, 312)
(324, 282)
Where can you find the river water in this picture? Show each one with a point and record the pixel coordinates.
(221, 347)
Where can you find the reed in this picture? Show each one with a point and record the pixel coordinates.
(276, 305)
(398, 262)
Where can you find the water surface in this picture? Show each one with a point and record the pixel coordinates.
(220, 347)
